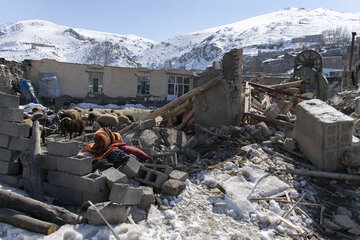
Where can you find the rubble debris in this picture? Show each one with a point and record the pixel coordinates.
(173, 187)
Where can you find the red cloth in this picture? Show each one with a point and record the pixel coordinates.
(135, 151)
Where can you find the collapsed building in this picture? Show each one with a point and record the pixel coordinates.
(220, 124)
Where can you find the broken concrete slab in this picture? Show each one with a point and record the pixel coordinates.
(113, 212)
(173, 187)
(148, 138)
(114, 176)
(125, 194)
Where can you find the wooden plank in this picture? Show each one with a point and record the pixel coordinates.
(287, 85)
(37, 190)
(183, 98)
(247, 101)
(202, 101)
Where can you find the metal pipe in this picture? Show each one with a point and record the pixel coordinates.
(352, 49)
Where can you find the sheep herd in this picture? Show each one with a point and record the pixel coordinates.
(73, 121)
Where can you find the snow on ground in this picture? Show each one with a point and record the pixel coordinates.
(197, 214)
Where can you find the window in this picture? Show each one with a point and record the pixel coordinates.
(143, 85)
(95, 82)
(178, 86)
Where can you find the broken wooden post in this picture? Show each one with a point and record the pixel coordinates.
(186, 120)
(37, 191)
(23, 221)
(38, 209)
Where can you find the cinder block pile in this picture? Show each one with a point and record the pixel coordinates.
(13, 139)
(323, 134)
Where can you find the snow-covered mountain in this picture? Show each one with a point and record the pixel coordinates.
(37, 39)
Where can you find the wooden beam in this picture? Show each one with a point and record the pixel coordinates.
(287, 85)
(38, 209)
(183, 98)
(23, 221)
(186, 119)
(271, 120)
(247, 101)
(202, 101)
(37, 190)
(269, 89)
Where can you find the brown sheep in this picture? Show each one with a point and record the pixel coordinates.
(69, 125)
(71, 113)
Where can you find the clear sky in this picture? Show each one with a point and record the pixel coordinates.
(154, 19)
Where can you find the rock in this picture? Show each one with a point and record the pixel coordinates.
(173, 187)
(331, 225)
(266, 131)
(237, 132)
(345, 221)
(344, 211)
(272, 111)
(148, 138)
(289, 144)
(354, 230)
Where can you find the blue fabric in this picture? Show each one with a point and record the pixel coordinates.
(118, 155)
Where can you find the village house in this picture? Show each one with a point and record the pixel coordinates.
(94, 81)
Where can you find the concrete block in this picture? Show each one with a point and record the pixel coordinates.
(19, 144)
(15, 181)
(11, 114)
(114, 176)
(63, 193)
(179, 175)
(151, 177)
(78, 165)
(14, 129)
(173, 187)
(93, 184)
(160, 168)
(96, 198)
(49, 161)
(169, 158)
(9, 168)
(113, 212)
(4, 141)
(131, 167)
(7, 154)
(322, 133)
(65, 148)
(147, 124)
(125, 194)
(147, 198)
(9, 101)
(138, 214)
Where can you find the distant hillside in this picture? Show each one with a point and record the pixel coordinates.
(37, 39)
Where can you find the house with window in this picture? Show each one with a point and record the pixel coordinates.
(87, 81)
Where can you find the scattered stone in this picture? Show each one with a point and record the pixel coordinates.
(289, 144)
(272, 111)
(173, 187)
(344, 211)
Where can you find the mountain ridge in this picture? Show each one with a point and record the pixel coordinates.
(38, 39)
